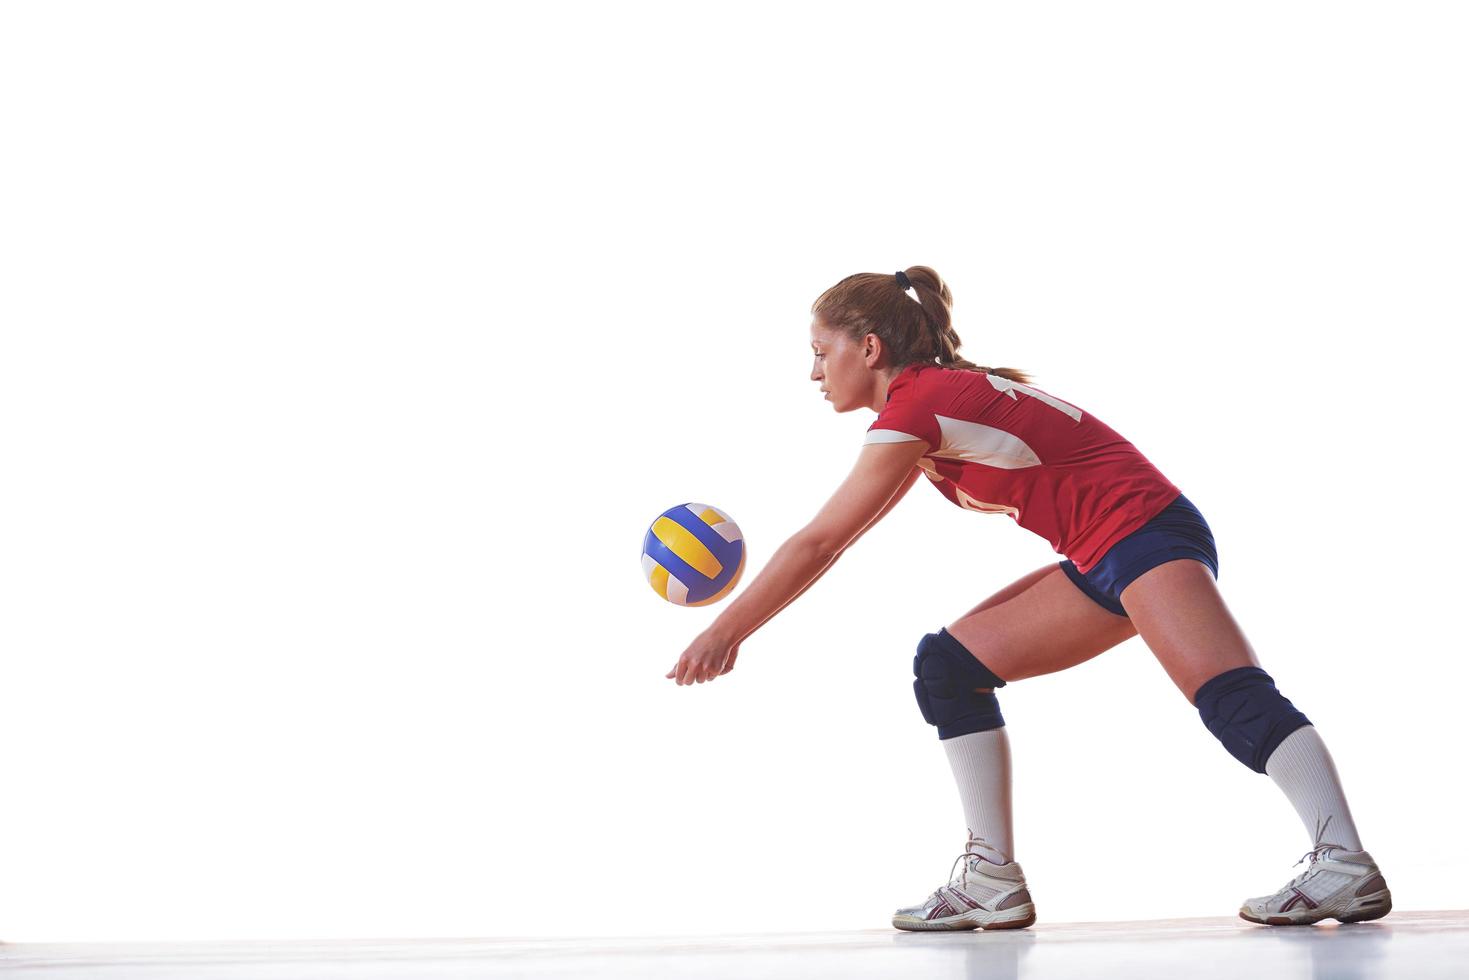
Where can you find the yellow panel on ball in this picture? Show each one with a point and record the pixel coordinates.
(689, 548)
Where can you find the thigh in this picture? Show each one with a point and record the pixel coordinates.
(1182, 618)
(1040, 624)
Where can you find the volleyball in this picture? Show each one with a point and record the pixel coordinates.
(693, 554)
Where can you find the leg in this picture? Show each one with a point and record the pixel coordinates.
(1039, 624)
(1183, 620)
(1178, 610)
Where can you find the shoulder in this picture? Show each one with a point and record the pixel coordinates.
(915, 396)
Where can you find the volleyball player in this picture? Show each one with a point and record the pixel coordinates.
(1140, 560)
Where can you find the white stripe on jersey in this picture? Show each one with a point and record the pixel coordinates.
(984, 444)
(877, 437)
(1008, 387)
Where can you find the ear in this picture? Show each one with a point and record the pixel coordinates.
(874, 351)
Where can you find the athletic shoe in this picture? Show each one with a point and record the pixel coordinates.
(983, 896)
(1337, 884)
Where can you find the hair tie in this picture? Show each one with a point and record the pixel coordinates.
(903, 281)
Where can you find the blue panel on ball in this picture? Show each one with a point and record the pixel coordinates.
(708, 537)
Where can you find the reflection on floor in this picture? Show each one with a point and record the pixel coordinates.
(1415, 945)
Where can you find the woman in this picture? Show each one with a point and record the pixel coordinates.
(1140, 561)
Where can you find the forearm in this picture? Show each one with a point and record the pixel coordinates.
(772, 614)
(802, 591)
(794, 568)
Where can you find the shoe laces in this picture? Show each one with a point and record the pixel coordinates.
(969, 854)
(1318, 852)
(1310, 858)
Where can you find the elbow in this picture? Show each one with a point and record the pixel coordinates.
(819, 547)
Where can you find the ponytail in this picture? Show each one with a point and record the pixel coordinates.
(918, 332)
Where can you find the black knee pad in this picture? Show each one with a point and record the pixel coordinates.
(1245, 712)
(945, 676)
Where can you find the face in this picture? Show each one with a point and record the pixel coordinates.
(841, 366)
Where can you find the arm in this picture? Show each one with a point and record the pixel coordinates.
(897, 496)
(869, 491)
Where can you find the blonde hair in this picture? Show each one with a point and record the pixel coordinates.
(913, 333)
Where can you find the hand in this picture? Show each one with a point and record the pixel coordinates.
(705, 659)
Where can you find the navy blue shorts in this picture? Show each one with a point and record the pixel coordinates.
(1180, 531)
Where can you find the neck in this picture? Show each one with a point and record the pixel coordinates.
(885, 378)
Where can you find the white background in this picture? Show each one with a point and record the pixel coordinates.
(349, 350)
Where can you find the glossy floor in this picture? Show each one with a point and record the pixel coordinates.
(1414, 945)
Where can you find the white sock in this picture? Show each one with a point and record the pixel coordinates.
(1303, 770)
(981, 764)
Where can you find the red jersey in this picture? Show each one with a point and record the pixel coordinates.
(1001, 447)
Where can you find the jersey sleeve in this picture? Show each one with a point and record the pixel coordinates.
(904, 421)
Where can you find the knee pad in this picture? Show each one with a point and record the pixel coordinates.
(945, 676)
(1244, 711)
